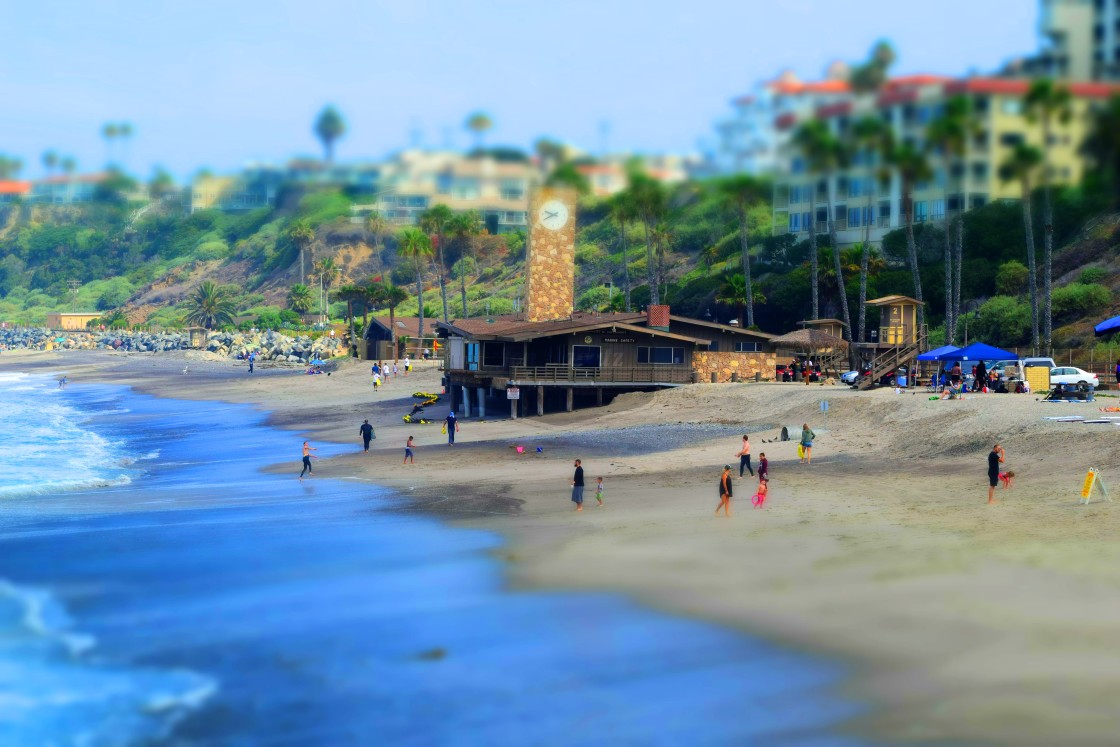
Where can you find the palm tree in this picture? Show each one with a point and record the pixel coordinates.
(302, 234)
(648, 199)
(871, 75)
(949, 134)
(465, 227)
(68, 164)
(328, 272)
(479, 124)
(623, 212)
(329, 127)
(734, 291)
(350, 294)
(415, 245)
(1020, 165)
(210, 306)
(392, 297)
(300, 298)
(50, 161)
(9, 167)
(377, 227)
(912, 168)
(824, 154)
(872, 137)
(1049, 104)
(740, 193)
(125, 132)
(110, 132)
(434, 221)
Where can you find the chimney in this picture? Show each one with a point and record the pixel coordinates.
(657, 317)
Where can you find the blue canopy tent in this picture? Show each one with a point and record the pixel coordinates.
(978, 351)
(936, 353)
(1107, 327)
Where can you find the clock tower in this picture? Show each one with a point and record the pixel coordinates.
(550, 258)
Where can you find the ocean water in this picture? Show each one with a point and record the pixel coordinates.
(157, 588)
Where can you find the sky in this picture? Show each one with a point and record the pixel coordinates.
(218, 84)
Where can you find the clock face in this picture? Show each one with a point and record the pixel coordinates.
(553, 215)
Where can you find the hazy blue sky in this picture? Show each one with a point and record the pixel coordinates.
(218, 84)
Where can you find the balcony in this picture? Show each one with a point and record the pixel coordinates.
(883, 221)
(668, 374)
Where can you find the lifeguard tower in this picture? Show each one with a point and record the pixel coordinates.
(898, 340)
(197, 337)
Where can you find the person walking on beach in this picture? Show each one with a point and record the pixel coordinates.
(599, 491)
(995, 458)
(307, 457)
(409, 457)
(577, 486)
(745, 457)
(725, 492)
(763, 467)
(252, 357)
(807, 437)
(452, 428)
(367, 434)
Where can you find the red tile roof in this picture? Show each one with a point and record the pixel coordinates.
(910, 81)
(1020, 86)
(14, 188)
(797, 87)
(838, 109)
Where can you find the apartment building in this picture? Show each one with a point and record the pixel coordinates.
(609, 175)
(1080, 40)
(867, 197)
(413, 181)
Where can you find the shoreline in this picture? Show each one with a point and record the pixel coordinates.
(952, 620)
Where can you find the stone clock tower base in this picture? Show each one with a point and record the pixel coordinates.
(550, 259)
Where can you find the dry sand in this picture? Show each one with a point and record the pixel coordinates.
(963, 622)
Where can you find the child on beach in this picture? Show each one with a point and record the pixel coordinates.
(599, 491)
(1007, 477)
(408, 455)
(759, 498)
(763, 467)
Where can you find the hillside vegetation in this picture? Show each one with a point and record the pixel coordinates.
(145, 262)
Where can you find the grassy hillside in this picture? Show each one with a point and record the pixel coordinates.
(144, 262)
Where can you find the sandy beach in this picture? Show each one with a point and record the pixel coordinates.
(963, 622)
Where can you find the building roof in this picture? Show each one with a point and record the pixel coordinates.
(722, 327)
(408, 325)
(11, 187)
(810, 322)
(809, 339)
(920, 79)
(79, 178)
(892, 299)
(795, 87)
(1020, 86)
(509, 324)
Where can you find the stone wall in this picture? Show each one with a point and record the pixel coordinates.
(706, 362)
(551, 264)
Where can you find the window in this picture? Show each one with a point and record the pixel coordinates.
(493, 355)
(980, 170)
(661, 356)
(748, 347)
(797, 165)
(1011, 139)
(465, 189)
(937, 209)
(472, 356)
(713, 346)
(921, 211)
(513, 189)
(794, 222)
(1011, 107)
(854, 215)
(586, 356)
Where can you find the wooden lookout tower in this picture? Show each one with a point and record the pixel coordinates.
(897, 341)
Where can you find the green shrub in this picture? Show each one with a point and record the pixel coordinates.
(210, 250)
(268, 320)
(1002, 320)
(593, 299)
(1077, 300)
(291, 318)
(1011, 278)
(1091, 275)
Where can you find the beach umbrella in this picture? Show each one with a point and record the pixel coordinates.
(1108, 326)
(978, 351)
(936, 353)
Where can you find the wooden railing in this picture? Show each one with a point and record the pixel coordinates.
(622, 374)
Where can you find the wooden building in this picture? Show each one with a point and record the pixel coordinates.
(898, 339)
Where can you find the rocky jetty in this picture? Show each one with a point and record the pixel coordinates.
(269, 346)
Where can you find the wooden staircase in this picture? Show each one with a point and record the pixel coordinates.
(891, 359)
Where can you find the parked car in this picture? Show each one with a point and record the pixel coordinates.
(851, 377)
(1030, 362)
(1073, 375)
(1006, 370)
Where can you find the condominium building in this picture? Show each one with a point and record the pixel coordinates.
(1080, 40)
(867, 197)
